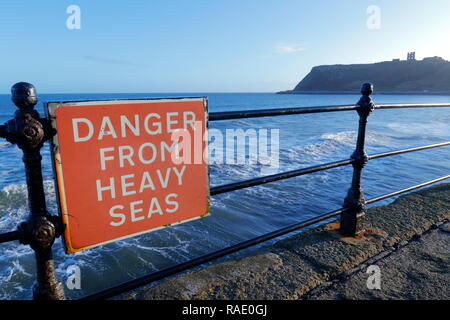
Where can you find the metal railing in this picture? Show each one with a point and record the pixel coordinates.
(29, 132)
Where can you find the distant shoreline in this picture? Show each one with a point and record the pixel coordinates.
(420, 93)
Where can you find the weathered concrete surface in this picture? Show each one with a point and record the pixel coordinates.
(418, 270)
(292, 267)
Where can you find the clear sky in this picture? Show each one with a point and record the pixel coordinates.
(206, 45)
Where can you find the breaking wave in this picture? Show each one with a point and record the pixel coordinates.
(332, 145)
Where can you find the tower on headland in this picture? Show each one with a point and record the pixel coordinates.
(411, 56)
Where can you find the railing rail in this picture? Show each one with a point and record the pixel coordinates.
(230, 115)
(417, 186)
(276, 177)
(321, 167)
(111, 292)
(134, 284)
(9, 236)
(351, 214)
(258, 113)
(395, 152)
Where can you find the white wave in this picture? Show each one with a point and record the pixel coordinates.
(425, 129)
(18, 268)
(226, 173)
(240, 123)
(346, 138)
(14, 203)
(332, 144)
(15, 278)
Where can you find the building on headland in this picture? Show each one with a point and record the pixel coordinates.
(430, 75)
(434, 59)
(411, 56)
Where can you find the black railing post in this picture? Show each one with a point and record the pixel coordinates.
(352, 221)
(29, 131)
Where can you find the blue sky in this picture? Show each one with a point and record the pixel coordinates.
(206, 45)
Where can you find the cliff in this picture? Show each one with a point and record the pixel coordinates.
(430, 75)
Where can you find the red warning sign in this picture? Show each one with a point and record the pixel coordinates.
(127, 167)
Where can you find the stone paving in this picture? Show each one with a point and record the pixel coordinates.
(406, 239)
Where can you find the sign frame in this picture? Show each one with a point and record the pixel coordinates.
(50, 109)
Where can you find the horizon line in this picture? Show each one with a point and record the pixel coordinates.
(172, 92)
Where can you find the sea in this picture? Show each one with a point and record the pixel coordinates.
(304, 140)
